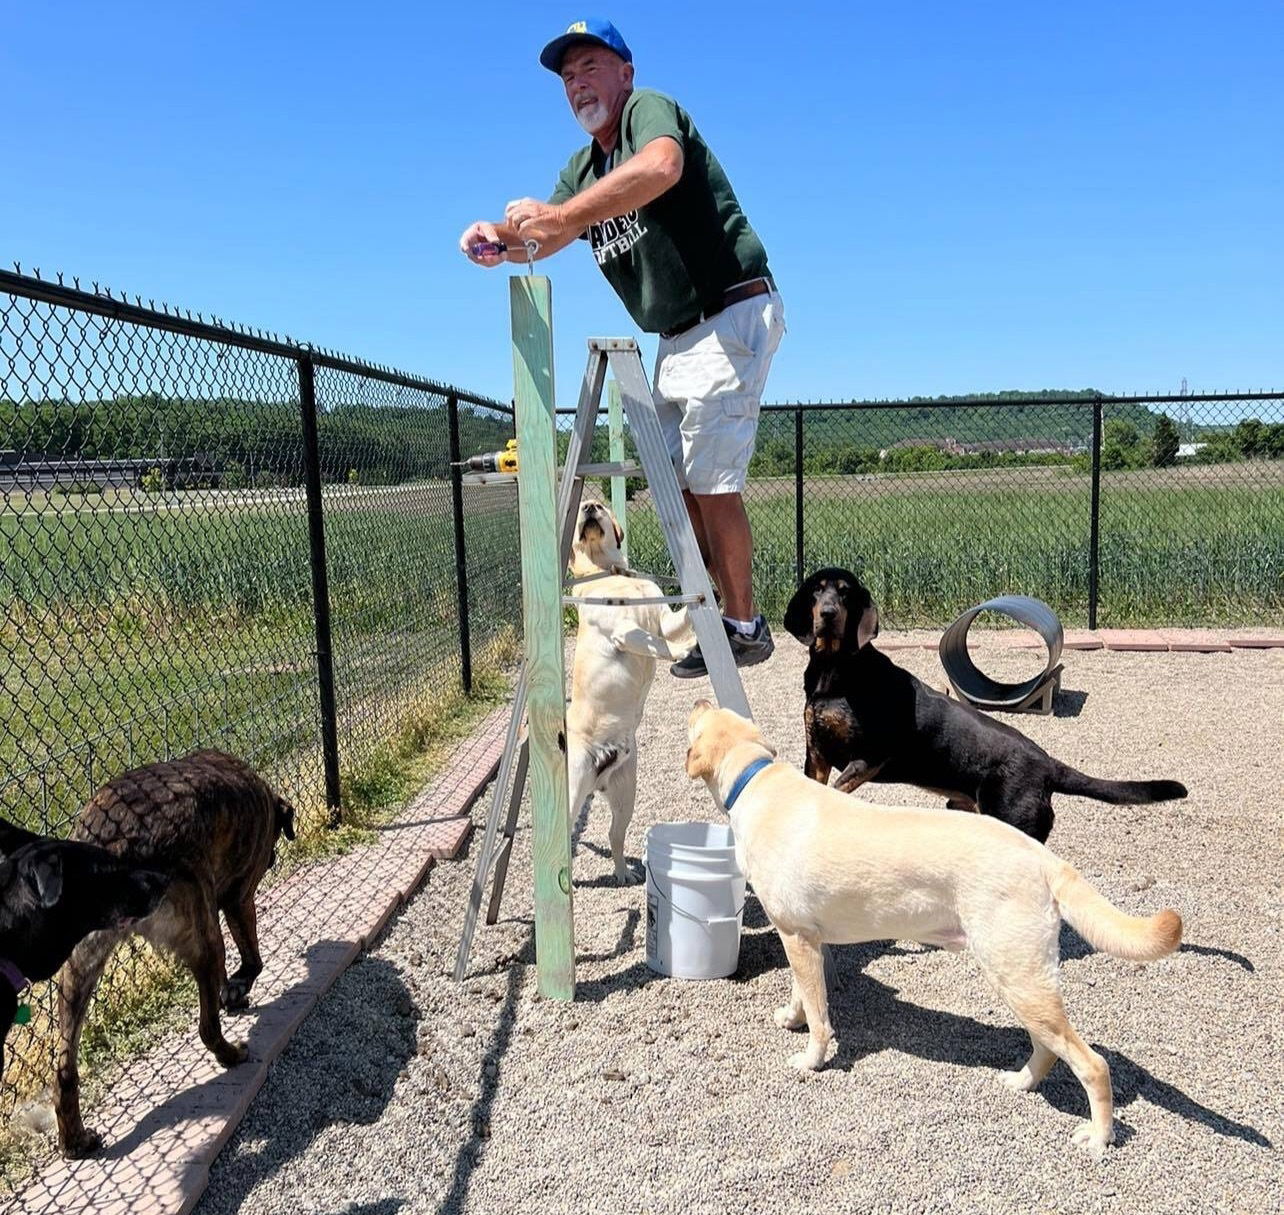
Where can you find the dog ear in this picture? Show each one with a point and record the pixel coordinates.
(798, 615)
(697, 761)
(44, 874)
(13, 837)
(284, 818)
(867, 629)
(697, 753)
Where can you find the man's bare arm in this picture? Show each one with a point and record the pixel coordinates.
(640, 180)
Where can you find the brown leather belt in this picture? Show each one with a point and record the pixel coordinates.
(732, 295)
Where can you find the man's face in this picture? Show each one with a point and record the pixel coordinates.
(597, 83)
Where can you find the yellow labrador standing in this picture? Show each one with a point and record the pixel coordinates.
(616, 650)
(830, 869)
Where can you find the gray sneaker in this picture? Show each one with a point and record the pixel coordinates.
(747, 651)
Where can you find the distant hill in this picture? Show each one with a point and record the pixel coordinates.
(1015, 418)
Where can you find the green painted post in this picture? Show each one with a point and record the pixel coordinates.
(619, 501)
(531, 299)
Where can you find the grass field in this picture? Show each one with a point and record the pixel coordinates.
(1173, 550)
(144, 625)
(148, 628)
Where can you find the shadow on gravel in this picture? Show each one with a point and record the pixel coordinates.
(470, 1152)
(1066, 703)
(1213, 952)
(385, 1206)
(869, 1018)
(346, 1078)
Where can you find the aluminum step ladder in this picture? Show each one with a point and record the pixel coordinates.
(623, 358)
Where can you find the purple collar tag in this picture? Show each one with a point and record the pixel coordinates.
(16, 979)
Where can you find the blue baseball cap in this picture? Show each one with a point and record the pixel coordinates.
(595, 30)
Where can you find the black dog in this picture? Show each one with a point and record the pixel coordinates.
(877, 722)
(53, 893)
(213, 822)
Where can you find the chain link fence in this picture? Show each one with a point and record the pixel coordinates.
(215, 537)
(1117, 511)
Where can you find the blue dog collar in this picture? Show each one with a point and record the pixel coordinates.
(743, 779)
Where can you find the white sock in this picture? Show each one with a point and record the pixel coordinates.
(746, 627)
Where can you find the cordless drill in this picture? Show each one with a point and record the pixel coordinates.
(504, 461)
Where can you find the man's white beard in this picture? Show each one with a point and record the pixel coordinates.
(592, 117)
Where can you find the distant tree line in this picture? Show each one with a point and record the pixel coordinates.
(260, 443)
(251, 442)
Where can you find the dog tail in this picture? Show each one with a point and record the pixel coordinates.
(1117, 792)
(1104, 926)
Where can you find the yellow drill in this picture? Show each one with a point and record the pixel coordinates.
(495, 461)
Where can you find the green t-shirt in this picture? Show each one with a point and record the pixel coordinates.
(672, 259)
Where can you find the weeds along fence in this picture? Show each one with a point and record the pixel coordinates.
(215, 537)
(1146, 510)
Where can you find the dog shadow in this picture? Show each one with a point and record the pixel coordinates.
(1074, 947)
(355, 1093)
(1212, 951)
(870, 1018)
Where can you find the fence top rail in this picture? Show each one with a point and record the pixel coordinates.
(1012, 402)
(1031, 402)
(102, 302)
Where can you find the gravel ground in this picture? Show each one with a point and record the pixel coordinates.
(407, 1093)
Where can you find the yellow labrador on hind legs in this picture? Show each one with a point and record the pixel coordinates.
(832, 870)
(616, 649)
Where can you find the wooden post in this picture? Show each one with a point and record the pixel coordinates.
(531, 299)
(619, 501)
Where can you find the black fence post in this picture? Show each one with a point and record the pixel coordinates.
(1094, 525)
(461, 555)
(320, 588)
(798, 496)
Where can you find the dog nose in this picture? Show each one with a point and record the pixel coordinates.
(828, 611)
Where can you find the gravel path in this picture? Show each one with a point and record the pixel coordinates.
(406, 1093)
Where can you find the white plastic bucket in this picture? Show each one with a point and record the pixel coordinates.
(695, 898)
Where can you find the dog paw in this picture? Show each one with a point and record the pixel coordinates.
(1019, 1081)
(229, 1054)
(81, 1144)
(235, 995)
(803, 1061)
(786, 1018)
(629, 877)
(1093, 1141)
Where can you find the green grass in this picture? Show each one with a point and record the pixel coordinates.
(1170, 552)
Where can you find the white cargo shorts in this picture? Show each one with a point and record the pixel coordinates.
(708, 389)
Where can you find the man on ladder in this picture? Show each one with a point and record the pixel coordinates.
(667, 231)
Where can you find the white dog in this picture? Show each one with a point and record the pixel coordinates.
(830, 869)
(616, 650)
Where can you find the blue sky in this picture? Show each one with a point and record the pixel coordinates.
(955, 197)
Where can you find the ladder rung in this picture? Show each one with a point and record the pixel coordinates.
(625, 468)
(618, 601)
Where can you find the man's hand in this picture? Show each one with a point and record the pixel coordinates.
(539, 221)
(477, 234)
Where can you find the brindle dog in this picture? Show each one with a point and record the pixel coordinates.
(53, 893)
(211, 821)
(877, 722)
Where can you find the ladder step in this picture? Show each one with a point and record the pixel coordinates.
(495, 478)
(618, 601)
(621, 468)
